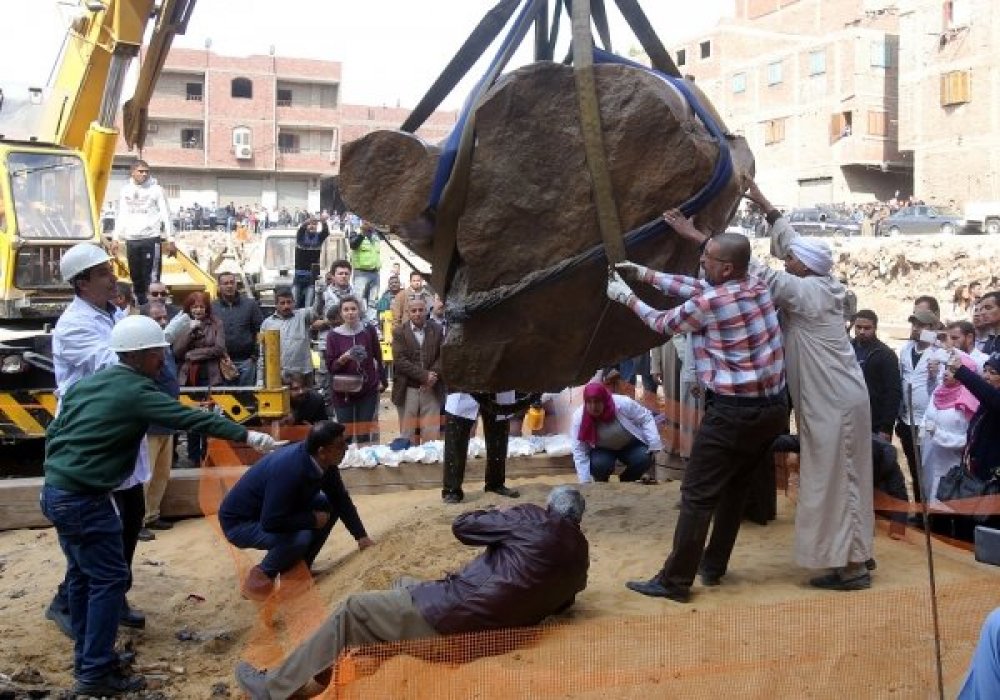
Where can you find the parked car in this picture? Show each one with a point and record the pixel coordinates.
(921, 218)
(814, 221)
(981, 217)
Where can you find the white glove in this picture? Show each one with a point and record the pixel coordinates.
(262, 442)
(631, 271)
(617, 289)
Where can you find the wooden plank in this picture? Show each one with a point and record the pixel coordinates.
(194, 492)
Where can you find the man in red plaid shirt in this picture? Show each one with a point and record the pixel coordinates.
(740, 362)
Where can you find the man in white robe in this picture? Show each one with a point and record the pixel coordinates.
(834, 519)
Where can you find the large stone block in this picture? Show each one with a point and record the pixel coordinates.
(530, 206)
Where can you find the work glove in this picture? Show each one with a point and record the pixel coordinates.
(631, 270)
(262, 442)
(617, 289)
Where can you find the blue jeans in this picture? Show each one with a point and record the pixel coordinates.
(983, 679)
(366, 288)
(90, 535)
(284, 549)
(248, 373)
(635, 457)
(359, 417)
(303, 290)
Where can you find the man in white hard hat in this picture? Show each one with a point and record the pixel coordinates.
(91, 447)
(81, 345)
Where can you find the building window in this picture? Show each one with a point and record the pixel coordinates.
(774, 73)
(878, 124)
(740, 82)
(955, 14)
(881, 54)
(194, 92)
(956, 88)
(817, 62)
(841, 125)
(706, 49)
(284, 97)
(335, 146)
(191, 138)
(242, 88)
(774, 131)
(241, 136)
(681, 57)
(171, 191)
(288, 143)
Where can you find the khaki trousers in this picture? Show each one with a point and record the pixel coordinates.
(161, 454)
(363, 618)
(421, 408)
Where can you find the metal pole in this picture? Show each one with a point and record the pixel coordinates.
(271, 340)
(925, 497)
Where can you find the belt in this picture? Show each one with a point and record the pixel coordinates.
(748, 401)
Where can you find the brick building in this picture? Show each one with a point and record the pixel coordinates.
(812, 85)
(256, 129)
(950, 97)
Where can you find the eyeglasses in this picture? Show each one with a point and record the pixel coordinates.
(157, 294)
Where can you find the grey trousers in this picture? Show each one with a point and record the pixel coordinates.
(363, 618)
(421, 409)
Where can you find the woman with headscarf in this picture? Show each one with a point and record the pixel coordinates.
(611, 428)
(834, 517)
(945, 428)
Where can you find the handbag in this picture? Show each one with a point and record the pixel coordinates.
(228, 368)
(958, 484)
(347, 383)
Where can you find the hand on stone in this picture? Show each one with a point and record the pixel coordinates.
(683, 226)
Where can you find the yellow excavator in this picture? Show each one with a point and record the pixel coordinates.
(57, 146)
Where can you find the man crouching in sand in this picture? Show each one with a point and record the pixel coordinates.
(535, 563)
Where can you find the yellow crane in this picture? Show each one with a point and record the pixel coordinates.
(57, 146)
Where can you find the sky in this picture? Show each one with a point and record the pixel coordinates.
(391, 50)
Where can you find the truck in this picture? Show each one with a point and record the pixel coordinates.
(981, 217)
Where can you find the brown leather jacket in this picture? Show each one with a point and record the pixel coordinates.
(202, 348)
(534, 565)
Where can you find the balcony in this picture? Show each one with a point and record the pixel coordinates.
(177, 106)
(857, 149)
(301, 115)
(305, 161)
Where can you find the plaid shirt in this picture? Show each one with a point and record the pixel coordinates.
(734, 331)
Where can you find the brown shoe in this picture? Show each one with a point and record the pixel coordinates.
(257, 585)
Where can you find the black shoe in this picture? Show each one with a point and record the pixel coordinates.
(655, 589)
(59, 614)
(708, 579)
(834, 581)
(109, 685)
(159, 524)
(504, 491)
(452, 498)
(252, 681)
(124, 659)
(145, 535)
(129, 617)
(871, 565)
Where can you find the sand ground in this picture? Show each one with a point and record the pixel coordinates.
(186, 582)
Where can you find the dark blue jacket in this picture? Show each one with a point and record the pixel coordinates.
(983, 447)
(278, 492)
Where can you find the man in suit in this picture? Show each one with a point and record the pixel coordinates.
(416, 385)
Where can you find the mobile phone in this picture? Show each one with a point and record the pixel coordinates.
(927, 336)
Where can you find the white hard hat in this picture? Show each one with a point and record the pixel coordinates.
(80, 257)
(137, 333)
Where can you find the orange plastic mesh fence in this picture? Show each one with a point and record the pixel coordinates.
(865, 645)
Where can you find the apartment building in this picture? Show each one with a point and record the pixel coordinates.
(255, 129)
(949, 87)
(813, 86)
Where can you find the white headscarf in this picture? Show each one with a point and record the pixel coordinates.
(814, 254)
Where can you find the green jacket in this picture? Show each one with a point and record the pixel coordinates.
(92, 445)
(365, 253)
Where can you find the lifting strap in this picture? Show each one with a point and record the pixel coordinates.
(451, 181)
(651, 44)
(593, 141)
(482, 36)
